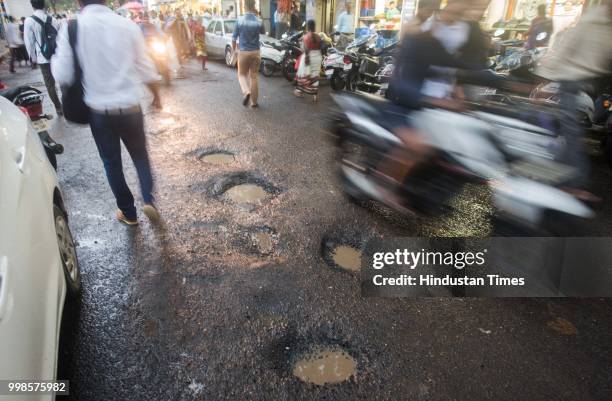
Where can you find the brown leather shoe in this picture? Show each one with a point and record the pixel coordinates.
(121, 217)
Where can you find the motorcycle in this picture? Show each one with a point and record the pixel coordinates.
(360, 66)
(159, 50)
(29, 100)
(341, 68)
(293, 50)
(272, 56)
(505, 153)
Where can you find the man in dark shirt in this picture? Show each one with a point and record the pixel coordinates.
(540, 24)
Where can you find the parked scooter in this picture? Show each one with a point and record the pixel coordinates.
(29, 99)
(272, 56)
(505, 153)
(360, 66)
(293, 50)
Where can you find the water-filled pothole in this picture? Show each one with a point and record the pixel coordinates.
(325, 366)
(345, 250)
(213, 155)
(246, 193)
(218, 158)
(347, 257)
(242, 188)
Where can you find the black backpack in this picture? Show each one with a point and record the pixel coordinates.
(49, 37)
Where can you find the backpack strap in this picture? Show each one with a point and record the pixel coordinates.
(72, 40)
(35, 18)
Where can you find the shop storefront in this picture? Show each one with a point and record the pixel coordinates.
(360, 17)
(515, 16)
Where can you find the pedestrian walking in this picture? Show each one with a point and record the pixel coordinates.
(112, 54)
(282, 20)
(248, 29)
(309, 68)
(40, 31)
(15, 43)
(198, 33)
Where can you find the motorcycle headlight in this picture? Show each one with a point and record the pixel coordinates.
(158, 47)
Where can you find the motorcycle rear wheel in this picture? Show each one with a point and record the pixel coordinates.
(266, 68)
(289, 70)
(336, 82)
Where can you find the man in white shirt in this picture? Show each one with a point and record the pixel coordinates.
(115, 64)
(33, 37)
(15, 42)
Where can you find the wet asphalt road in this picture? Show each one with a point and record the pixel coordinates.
(191, 310)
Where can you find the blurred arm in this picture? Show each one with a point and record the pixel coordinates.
(62, 62)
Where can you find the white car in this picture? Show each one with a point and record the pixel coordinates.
(219, 39)
(38, 261)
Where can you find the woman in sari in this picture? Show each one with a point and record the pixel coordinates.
(309, 67)
(198, 33)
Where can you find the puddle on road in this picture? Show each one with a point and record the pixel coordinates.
(263, 241)
(218, 158)
(246, 193)
(326, 366)
(347, 257)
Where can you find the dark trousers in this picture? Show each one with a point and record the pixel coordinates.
(50, 84)
(108, 132)
(14, 56)
(575, 153)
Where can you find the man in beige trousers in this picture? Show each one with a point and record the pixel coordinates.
(247, 31)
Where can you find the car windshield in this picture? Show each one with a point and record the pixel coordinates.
(229, 27)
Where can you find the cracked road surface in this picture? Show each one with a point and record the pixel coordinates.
(221, 300)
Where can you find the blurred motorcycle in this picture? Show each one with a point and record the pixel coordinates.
(510, 155)
(159, 50)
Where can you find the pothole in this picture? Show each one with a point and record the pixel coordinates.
(213, 155)
(242, 188)
(263, 241)
(345, 251)
(218, 158)
(325, 366)
(257, 240)
(246, 193)
(347, 257)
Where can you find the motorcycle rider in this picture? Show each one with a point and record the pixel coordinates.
(421, 80)
(583, 56)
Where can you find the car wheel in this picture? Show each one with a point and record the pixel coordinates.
(228, 57)
(68, 254)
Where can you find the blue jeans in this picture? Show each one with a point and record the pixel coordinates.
(108, 132)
